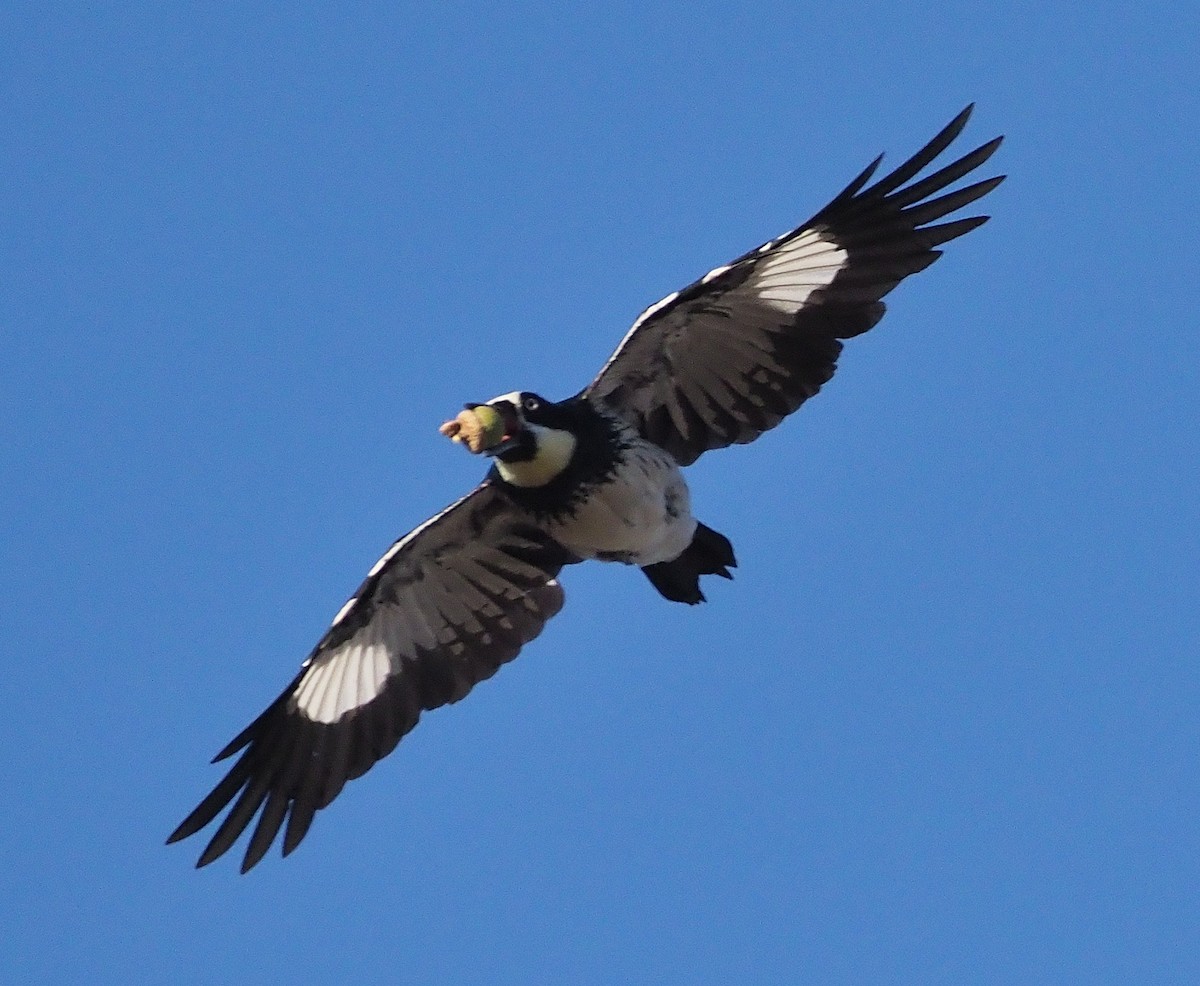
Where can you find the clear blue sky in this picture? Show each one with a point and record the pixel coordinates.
(943, 726)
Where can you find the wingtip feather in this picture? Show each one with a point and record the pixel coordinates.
(235, 744)
(915, 164)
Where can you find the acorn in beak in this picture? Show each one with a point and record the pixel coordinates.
(488, 428)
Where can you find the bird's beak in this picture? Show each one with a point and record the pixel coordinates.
(513, 426)
(491, 429)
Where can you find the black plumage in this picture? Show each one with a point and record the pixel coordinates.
(459, 597)
(717, 363)
(714, 366)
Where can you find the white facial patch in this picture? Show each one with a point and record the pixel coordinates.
(787, 276)
(553, 453)
(514, 399)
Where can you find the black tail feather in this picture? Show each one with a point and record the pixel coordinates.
(709, 553)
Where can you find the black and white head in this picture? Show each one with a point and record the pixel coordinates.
(533, 440)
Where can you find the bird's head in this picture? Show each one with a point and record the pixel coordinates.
(529, 436)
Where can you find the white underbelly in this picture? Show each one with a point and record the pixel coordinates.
(641, 516)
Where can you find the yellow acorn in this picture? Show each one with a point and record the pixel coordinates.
(478, 428)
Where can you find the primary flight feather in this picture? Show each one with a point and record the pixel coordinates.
(594, 476)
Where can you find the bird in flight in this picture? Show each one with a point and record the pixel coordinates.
(595, 476)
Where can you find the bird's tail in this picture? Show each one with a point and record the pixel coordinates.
(709, 553)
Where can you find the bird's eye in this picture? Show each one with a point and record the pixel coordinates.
(531, 403)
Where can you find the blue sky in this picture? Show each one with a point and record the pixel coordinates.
(941, 729)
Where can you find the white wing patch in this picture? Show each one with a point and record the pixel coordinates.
(787, 277)
(788, 272)
(354, 673)
(345, 679)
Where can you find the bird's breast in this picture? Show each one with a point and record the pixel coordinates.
(640, 514)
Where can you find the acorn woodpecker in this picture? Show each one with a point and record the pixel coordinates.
(597, 475)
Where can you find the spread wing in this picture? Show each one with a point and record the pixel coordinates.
(440, 611)
(730, 356)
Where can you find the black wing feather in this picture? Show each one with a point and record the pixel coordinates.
(449, 604)
(731, 355)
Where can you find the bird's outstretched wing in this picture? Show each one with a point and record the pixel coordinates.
(730, 356)
(441, 610)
